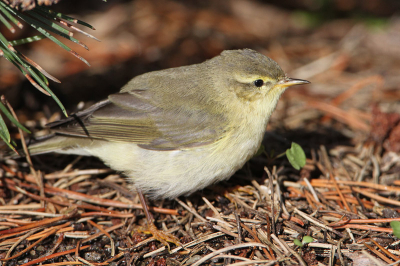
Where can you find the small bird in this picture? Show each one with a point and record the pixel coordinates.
(175, 131)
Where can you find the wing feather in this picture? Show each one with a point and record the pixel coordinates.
(135, 117)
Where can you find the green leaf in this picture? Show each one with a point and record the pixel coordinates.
(7, 24)
(12, 119)
(271, 155)
(12, 56)
(41, 28)
(307, 239)
(43, 84)
(298, 243)
(296, 156)
(65, 17)
(5, 135)
(4, 130)
(6, 142)
(27, 40)
(396, 228)
(260, 151)
(46, 22)
(54, 27)
(10, 17)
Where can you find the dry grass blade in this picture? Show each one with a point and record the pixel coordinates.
(215, 253)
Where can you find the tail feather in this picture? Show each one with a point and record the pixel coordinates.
(50, 143)
(46, 144)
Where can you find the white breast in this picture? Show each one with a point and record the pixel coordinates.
(169, 174)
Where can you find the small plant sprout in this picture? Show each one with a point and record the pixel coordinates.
(396, 228)
(306, 240)
(296, 156)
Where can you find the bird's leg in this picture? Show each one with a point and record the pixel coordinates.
(159, 235)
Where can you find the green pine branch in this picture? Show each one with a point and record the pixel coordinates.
(48, 23)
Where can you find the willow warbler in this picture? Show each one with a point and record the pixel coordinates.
(175, 131)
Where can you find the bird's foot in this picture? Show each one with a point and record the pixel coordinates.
(160, 235)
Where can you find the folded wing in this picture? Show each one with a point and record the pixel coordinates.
(138, 117)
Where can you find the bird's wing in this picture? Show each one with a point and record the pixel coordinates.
(135, 117)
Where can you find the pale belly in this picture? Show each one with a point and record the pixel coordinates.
(169, 174)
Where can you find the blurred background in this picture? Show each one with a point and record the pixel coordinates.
(348, 49)
(347, 120)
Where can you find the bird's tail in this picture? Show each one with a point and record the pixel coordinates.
(46, 144)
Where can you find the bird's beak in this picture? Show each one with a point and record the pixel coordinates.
(288, 82)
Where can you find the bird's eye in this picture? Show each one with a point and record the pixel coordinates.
(258, 82)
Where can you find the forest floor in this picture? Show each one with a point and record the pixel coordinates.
(72, 210)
